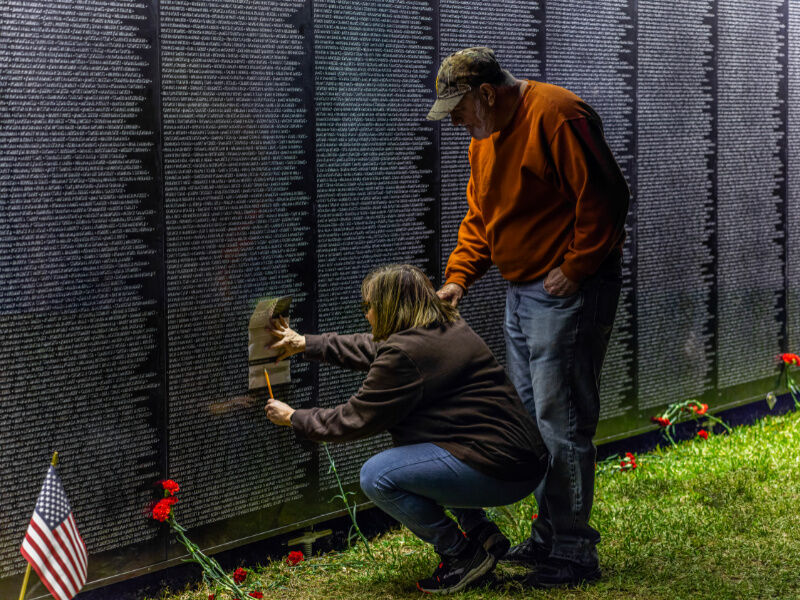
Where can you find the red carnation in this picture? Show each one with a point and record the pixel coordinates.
(295, 556)
(211, 597)
(239, 575)
(170, 487)
(790, 359)
(534, 516)
(701, 410)
(162, 509)
(256, 595)
(626, 466)
(170, 500)
(663, 421)
(703, 434)
(628, 463)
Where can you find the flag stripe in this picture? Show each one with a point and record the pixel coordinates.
(60, 545)
(52, 553)
(74, 549)
(78, 540)
(65, 542)
(34, 558)
(53, 571)
(58, 552)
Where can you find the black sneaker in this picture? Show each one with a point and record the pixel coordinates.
(455, 573)
(527, 553)
(489, 536)
(557, 572)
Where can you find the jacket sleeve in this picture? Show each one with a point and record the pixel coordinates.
(355, 351)
(471, 257)
(391, 390)
(587, 173)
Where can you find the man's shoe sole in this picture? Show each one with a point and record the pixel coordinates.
(525, 562)
(486, 566)
(573, 583)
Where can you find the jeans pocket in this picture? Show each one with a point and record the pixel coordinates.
(549, 295)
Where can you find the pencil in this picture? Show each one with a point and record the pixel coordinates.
(269, 387)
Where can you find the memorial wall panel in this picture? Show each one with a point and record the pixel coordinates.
(751, 186)
(790, 217)
(165, 164)
(675, 290)
(237, 208)
(592, 54)
(80, 317)
(374, 69)
(518, 49)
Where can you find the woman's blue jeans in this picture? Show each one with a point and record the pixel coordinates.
(415, 483)
(555, 349)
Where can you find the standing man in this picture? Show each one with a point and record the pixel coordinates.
(547, 204)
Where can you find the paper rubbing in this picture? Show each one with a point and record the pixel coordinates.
(259, 356)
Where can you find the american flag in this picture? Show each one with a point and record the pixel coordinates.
(52, 544)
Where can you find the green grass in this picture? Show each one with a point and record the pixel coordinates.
(703, 520)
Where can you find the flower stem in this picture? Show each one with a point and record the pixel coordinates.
(211, 568)
(351, 510)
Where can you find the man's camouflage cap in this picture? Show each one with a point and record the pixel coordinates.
(460, 72)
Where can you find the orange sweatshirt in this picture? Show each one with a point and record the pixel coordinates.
(544, 192)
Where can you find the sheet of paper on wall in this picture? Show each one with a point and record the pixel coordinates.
(259, 356)
(278, 373)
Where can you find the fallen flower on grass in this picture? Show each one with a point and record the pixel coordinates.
(295, 557)
(682, 411)
(703, 434)
(239, 575)
(628, 463)
(256, 595)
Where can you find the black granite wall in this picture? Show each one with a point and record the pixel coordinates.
(164, 163)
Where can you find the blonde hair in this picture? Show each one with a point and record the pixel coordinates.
(402, 297)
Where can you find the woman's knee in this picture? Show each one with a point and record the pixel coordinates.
(371, 477)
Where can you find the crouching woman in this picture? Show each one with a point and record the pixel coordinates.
(462, 439)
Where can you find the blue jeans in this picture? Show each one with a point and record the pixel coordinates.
(555, 350)
(415, 483)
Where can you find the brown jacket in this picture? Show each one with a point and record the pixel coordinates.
(543, 192)
(438, 384)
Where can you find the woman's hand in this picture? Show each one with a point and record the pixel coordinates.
(289, 341)
(279, 412)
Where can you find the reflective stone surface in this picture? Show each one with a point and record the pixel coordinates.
(165, 164)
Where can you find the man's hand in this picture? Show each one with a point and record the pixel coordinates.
(289, 341)
(557, 284)
(279, 412)
(451, 292)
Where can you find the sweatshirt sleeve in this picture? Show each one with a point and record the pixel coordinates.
(391, 390)
(587, 172)
(471, 257)
(355, 351)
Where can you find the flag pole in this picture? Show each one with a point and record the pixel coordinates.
(25, 582)
(53, 463)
